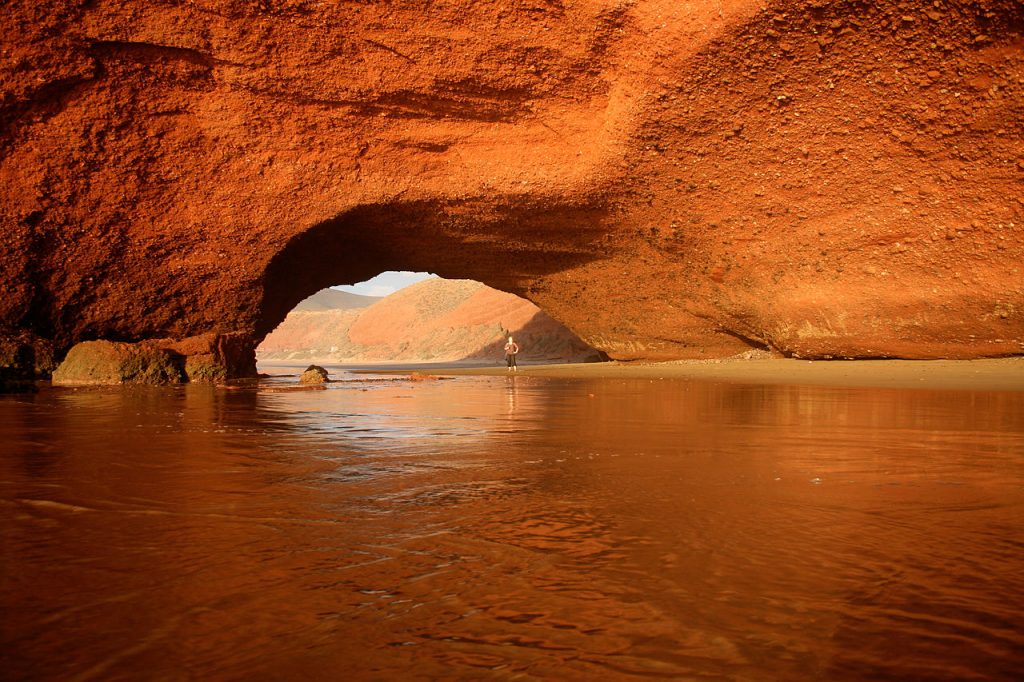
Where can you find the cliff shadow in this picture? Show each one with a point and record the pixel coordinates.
(542, 338)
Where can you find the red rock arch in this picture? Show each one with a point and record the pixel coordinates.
(669, 179)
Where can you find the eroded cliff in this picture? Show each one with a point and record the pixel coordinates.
(668, 179)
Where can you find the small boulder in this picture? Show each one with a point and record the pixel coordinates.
(314, 374)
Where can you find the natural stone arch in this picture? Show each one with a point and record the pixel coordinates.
(507, 247)
(828, 179)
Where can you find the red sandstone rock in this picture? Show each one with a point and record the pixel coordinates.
(668, 179)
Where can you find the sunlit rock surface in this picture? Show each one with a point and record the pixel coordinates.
(668, 179)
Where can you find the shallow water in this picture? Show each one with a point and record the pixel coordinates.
(512, 528)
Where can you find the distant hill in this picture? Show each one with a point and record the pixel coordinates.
(332, 299)
(435, 320)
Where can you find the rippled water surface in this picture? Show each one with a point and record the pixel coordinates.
(512, 528)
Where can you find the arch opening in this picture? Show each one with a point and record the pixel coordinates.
(479, 246)
(417, 318)
(463, 240)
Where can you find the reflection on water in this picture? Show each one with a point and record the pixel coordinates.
(512, 528)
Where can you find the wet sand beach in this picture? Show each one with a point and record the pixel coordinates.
(1000, 374)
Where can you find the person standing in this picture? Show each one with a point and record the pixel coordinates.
(511, 350)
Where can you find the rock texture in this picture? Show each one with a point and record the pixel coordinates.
(825, 179)
(436, 320)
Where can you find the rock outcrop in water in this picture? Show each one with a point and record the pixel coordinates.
(108, 363)
(668, 179)
(314, 374)
(208, 358)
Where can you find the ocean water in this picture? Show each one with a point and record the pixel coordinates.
(511, 528)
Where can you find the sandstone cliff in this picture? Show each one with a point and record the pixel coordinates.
(436, 320)
(827, 179)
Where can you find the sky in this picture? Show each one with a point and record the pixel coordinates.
(385, 283)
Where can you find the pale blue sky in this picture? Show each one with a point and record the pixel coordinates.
(385, 283)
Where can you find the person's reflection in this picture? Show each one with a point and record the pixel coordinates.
(513, 397)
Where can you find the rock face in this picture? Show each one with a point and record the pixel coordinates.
(668, 179)
(436, 320)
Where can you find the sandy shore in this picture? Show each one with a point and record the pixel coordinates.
(1003, 374)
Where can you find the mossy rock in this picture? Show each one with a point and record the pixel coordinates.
(100, 363)
(205, 369)
(152, 366)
